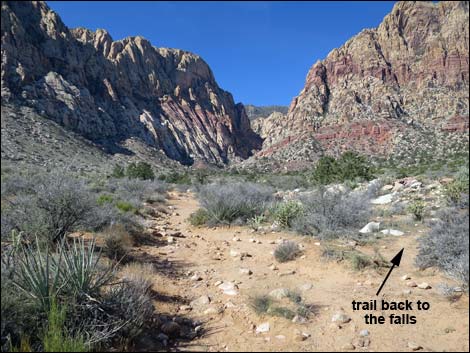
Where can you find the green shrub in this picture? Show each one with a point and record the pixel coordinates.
(56, 339)
(284, 213)
(125, 206)
(118, 171)
(140, 170)
(286, 251)
(104, 199)
(417, 208)
(349, 166)
(178, 178)
(199, 218)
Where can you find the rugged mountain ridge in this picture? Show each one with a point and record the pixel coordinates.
(401, 87)
(111, 91)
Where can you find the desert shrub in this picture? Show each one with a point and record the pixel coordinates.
(140, 170)
(256, 221)
(417, 208)
(118, 171)
(56, 205)
(55, 338)
(117, 242)
(457, 191)
(349, 166)
(199, 218)
(260, 304)
(286, 251)
(226, 203)
(175, 177)
(446, 246)
(332, 213)
(125, 206)
(104, 199)
(285, 212)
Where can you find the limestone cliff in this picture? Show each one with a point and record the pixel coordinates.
(112, 91)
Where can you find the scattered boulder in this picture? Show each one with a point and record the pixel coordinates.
(263, 328)
(370, 228)
(229, 288)
(201, 301)
(383, 200)
(394, 232)
(424, 285)
(340, 317)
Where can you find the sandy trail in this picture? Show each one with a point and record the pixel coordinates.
(444, 327)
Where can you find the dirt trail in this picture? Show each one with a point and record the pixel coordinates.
(206, 252)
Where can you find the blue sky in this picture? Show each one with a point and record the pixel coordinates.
(259, 51)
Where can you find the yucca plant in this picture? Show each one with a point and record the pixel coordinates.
(38, 274)
(81, 271)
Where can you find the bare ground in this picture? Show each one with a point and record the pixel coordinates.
(206, 252)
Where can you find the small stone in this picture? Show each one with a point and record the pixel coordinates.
(228, 288)
(300, 336)
(218, 283)
(234, 253)
(306, 287)
(364, 333)
(405, 277)
(414, 346)
(201, 301)
(411, 284)
(424, 285)
(370, 228)
(245, 271)
(273, 268)
(299, 319)
(287, 273)
(262, 328)
(185, 308)
(340, 318)
(196, 278)
(407, 292)
(236, 239)
(170, 240)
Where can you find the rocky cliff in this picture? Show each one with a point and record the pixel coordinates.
(111, 91)
(401, 87)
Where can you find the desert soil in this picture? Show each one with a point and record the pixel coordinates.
(206, 253)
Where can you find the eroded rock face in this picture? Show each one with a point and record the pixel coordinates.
(110, 91)
(404, 80)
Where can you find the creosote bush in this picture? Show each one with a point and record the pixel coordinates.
(417, 208)
(286, 251)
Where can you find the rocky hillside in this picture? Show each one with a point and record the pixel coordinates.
(111, 92)
(398, 90)
(255, 112)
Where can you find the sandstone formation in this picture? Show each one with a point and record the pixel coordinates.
(401, 86)
(112, 91)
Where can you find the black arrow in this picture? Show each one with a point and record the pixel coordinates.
(396, 262)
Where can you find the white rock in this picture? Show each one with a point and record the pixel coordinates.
(306, 286)
(364, 333)
(370, 228)
(394, 232)
(383, 200)
(340, 318)
(203, 300)
(414, 346)
(262, 328)
(405, 277)
(424, 285)
(279, 293)
(234, 253)
(229, 288)
(245, 271)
